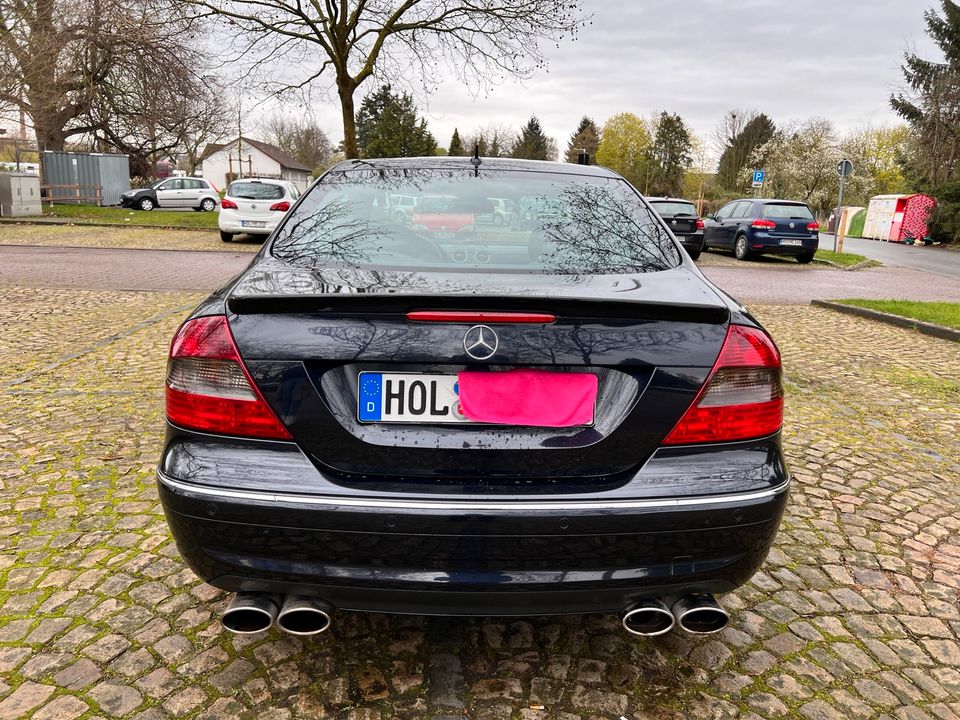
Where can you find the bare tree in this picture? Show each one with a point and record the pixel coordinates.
(61, 59)
(346, 42)
(300, 137)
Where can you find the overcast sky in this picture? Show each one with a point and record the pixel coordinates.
(700, 58)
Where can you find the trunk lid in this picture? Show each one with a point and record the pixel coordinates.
(306, 335)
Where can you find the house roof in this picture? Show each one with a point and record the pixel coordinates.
(272, 151)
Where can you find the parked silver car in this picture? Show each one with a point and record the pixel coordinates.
(179, 193)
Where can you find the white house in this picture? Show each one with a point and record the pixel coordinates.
(223, 163)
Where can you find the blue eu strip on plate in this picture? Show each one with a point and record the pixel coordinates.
(371, 397)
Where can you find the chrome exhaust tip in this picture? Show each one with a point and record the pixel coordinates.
(251, 612)
(304, 616)
(700, 614)
(647, 618)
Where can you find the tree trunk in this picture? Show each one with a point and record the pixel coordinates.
(345, 90)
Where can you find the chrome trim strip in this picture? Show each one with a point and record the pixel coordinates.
(519, 507)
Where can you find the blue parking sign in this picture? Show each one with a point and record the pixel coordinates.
(758, 177)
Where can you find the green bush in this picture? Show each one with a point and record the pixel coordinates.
(945, 219)
(857, 224)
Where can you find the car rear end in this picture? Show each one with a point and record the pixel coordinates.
(254, 207)
(785, 228)
(684, 222)
(621, 445)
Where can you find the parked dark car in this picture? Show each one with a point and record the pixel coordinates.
(568, 418)
(684, 220)
(763, 227)
(176, 193)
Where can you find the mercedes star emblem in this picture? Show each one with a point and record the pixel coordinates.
(480, 342)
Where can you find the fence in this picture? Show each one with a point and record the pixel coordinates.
(56, 194)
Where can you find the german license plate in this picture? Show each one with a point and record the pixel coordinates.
(791, 242)
(408, 398)
(252, 223)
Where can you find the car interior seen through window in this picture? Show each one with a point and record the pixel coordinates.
(255, 191)
(494, 221)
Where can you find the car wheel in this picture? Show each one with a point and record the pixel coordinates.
(226, 237)
(146, 203)
(694, 254)
(498, 220)
(740, 249)
(208, 205)
(805, 258)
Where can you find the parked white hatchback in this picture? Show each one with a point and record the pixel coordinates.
(255, 206)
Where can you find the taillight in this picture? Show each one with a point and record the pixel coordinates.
(226, 204)
(814, 227)
(281, 206)
(208, 387)
(742, 398)
(763, 224)
(699, 224)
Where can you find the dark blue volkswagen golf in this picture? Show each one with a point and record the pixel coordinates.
(763, 227)
(561, 417)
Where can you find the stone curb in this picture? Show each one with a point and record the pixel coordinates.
(925, 328)
(67, 221)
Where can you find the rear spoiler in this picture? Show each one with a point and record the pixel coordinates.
(394, 306)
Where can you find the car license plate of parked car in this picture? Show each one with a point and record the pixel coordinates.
(408, 397)
(252, 223)
(791, 242)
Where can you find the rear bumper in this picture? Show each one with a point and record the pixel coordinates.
(763, 243)
(451, 557)
(692, 242)
(233, 223)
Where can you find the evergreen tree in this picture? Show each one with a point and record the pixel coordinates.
(743, 146)
(932, 108)
(456, 145)
(388, 126)
(586, 137)
(531, 143)
(670, 155)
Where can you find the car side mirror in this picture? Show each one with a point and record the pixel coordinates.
(713, 217)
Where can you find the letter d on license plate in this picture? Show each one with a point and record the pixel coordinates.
(408, 398)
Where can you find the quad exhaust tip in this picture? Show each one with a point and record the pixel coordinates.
(647, 618)
(304, 616)
(251, 612)
(700, 614)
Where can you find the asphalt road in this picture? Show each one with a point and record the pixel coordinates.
(179, 270)
(932, 259)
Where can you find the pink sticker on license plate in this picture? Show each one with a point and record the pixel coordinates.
(538, 398)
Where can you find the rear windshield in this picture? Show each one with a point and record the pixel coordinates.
(789, 212)
(672, 209)
(548, 223)
(255, 191)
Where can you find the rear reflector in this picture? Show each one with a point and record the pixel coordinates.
(742, 398)
(453, 316)
(208, 387)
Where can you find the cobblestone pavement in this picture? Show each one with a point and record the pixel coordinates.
(122, 237)
(855, 615)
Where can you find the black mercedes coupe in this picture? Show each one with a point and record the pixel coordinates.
(561, 417)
